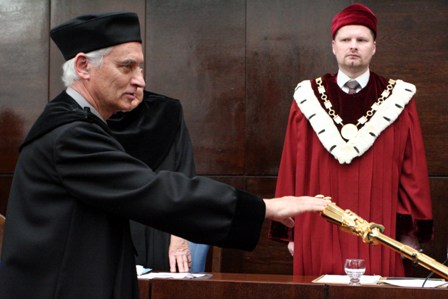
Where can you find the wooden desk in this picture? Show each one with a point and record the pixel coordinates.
(248, 286)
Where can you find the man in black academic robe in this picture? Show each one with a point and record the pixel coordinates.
(155, 133)
(75, 188)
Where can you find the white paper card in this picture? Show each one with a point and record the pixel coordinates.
(153, 275)
(344, 279)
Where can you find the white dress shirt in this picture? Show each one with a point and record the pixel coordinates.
(342, 78)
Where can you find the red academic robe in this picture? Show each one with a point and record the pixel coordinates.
(387, 181)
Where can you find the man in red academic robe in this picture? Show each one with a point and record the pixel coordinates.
(362, 145)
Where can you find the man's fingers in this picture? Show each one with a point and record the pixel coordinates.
(288, 222)
(172, 259)
(183, 263)
(180, 262)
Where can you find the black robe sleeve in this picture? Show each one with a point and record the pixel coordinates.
(99, 173)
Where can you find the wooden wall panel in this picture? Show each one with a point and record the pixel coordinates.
(196, 54)
(24, 65)
(412, 45)
(269, 256)
(234, 65)
(23, 79)
(287, 42)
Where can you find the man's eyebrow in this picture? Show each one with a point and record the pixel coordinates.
(128, 61)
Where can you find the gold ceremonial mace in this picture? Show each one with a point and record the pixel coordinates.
(372, 233)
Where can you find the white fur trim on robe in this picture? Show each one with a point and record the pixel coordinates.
(328, 133)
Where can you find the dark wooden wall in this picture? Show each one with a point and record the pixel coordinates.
(234, 64)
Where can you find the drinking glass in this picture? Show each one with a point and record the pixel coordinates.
(355, 268)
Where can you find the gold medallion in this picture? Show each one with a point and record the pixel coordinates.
(349, 131)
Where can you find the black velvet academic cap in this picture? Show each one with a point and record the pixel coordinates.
(91, 32)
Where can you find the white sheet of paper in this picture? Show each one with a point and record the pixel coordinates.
(415, 282)
(375, 279)
(142, 270)
(153, 275)
(344, 279)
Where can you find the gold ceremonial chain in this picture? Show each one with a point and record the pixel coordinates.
(349, 131)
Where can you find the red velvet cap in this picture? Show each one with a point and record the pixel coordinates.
(355, 14)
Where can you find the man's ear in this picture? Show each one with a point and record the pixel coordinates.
(82, 66)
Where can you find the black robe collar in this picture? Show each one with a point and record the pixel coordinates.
(147, 132)
(150, 130)
(60, 111)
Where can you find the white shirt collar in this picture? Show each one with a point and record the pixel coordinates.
(342, 78)
(82, 101)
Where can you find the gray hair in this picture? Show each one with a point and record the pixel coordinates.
(68, 68)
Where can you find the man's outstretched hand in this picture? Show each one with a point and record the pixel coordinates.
(283, 209)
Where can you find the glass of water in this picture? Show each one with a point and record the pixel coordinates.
(355, 268)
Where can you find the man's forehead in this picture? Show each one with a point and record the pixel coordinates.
(127, 51)
(353, 29)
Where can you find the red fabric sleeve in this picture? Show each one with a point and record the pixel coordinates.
(414, 191)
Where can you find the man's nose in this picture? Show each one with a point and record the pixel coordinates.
(138, 80)
(354, 44)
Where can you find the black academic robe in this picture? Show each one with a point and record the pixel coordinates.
(155, 133)
(73, 193)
